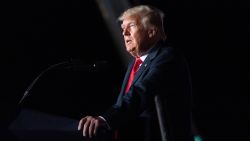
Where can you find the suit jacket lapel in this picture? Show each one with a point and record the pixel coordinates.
(152, 54)
(127, 76)
(142, 68)
(146, 63)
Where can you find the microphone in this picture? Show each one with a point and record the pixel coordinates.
(72, 64)
(79, 65)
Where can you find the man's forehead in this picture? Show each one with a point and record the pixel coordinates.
(129, 20)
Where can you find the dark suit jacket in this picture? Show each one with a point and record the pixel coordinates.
(165, 73)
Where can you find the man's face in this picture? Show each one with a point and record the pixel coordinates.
(135, 36)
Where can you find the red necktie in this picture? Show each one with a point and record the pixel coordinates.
(134, 70)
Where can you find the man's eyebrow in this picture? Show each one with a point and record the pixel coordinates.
(128, 24)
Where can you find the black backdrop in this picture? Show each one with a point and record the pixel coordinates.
(214, 35)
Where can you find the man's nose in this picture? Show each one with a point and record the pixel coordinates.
(125, 32)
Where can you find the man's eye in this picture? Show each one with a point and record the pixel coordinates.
(131, 25)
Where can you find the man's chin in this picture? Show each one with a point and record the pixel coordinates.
(133, 53)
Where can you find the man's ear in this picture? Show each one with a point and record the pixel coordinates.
(151, 32)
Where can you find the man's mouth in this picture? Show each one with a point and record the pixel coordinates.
(131, 50)
(128, 41)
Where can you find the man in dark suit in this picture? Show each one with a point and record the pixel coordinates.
(161, 71)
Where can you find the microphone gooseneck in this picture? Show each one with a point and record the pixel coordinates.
(72, 64)
(37, 78)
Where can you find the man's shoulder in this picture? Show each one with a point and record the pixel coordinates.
(163, 50)
(166, 50)
(163, 47)
(167, 53)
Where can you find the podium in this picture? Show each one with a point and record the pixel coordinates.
(34, 125)
(54, 102)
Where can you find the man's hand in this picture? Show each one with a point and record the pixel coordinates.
(91, 125)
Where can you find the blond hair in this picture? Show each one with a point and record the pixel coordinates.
(150, 17)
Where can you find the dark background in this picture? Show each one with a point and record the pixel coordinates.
(214, 36)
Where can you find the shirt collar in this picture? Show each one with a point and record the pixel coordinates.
(143, 57)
